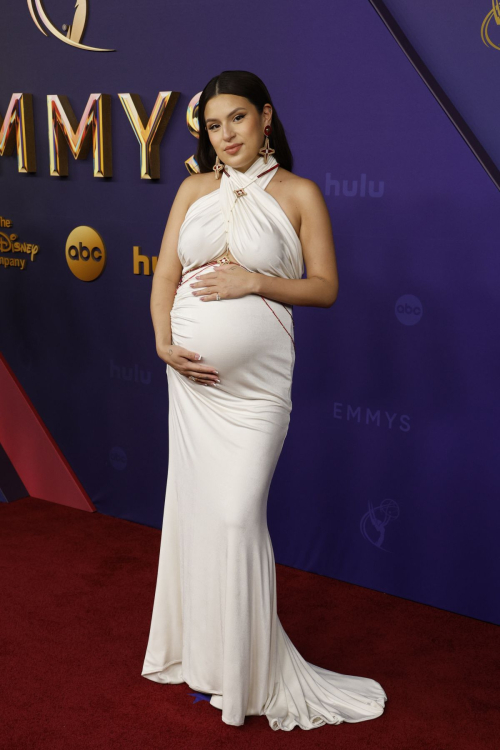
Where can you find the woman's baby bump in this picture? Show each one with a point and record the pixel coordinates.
(239, 337)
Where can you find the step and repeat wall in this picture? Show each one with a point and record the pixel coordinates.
(389, 474)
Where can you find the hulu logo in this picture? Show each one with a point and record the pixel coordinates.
(129, 373)
(143, 262)
(353, 188)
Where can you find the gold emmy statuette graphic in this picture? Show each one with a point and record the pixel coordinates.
(85, 253)
(494, 13)
(74, 32)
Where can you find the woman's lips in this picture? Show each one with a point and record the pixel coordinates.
(234, 149)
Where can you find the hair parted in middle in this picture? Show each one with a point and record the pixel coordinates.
(240, 83)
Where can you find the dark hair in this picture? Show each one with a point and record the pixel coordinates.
(240, 83)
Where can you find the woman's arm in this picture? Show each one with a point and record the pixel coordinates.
(168, 267)
(320, 288)
(166, 277)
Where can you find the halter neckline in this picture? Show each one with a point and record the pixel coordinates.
(242, 215)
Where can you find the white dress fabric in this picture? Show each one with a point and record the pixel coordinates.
(214, 622)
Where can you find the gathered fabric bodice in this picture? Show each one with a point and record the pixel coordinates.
(258, 232)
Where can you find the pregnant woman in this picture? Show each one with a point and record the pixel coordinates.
(228, 274)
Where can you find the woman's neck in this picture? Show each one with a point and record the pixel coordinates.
(247, 167)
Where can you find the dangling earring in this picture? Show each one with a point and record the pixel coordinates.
(217, 167)
(265, 150)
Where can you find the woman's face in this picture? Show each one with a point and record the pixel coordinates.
(233, 120)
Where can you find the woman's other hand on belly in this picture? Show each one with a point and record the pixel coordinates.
(187, 363)
(230, 282)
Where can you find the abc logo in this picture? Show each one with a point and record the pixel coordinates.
(408, 310)
(85, 253)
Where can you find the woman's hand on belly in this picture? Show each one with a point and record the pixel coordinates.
(231, 282)
(187, 363)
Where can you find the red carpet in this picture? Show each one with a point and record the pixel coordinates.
(77, 591)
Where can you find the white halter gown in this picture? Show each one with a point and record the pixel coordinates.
(214, 622)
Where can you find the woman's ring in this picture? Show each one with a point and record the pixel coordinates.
(192, 378)
(218, 296)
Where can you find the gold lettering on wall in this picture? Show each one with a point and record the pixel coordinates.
(17, 130)
(194, 128)
(94, 127)
(139, 260)
(14, 253)
(149, 132)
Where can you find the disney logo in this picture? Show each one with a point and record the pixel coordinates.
(8, 244)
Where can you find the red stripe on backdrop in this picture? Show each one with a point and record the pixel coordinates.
(34, 453)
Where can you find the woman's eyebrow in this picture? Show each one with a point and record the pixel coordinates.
(213, 119)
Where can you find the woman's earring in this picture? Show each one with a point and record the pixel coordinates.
(217, 167)
(265, 150)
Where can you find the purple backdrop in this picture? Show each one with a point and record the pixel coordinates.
(388, 477)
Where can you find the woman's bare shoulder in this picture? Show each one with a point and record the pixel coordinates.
(301, 189)
(197, 185)
(296, 181)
